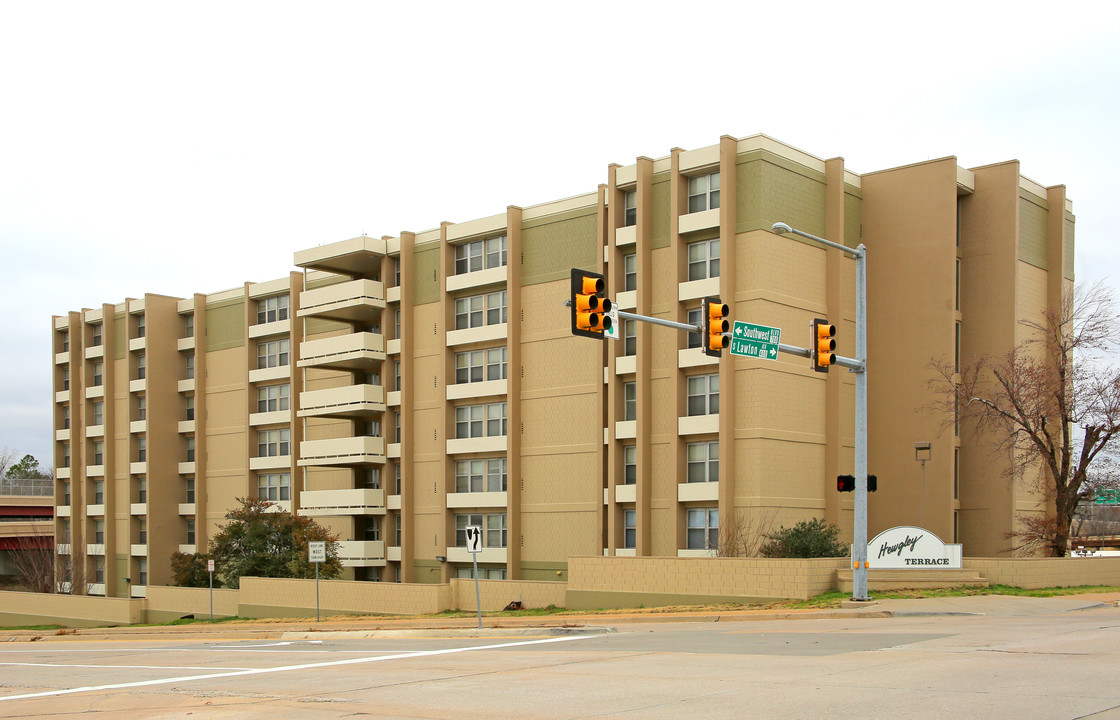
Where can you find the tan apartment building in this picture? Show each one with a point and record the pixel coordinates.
(399, 389)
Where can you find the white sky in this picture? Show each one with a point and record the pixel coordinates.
(248, 130)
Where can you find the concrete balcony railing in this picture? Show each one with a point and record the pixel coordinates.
(350, 401)
(355, 301)
(342, 451)
(360, 501)
(356, 351)
(361, 553)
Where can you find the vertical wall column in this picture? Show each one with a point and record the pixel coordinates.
(201, 533)
(728, 473)
(612, 393)
(408, 395)
(515, 313)
(643, 361)
(109, 342)
(834, 312)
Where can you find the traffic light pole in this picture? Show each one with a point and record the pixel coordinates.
(858, 365)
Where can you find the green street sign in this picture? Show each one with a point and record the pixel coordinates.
(757, 341)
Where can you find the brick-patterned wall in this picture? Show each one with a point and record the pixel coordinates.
(258, 595)
(191, 601)
(496, 594)
(1033, 573)
(724, 577)
(68, 609)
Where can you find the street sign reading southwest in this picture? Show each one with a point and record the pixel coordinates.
(757, 341)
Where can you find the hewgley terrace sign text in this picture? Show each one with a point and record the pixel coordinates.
(907, 546)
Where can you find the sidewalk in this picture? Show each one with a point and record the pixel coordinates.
(355, 627)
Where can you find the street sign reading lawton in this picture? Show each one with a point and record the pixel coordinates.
(757, 341)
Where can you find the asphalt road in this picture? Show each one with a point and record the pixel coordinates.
(1022, 659)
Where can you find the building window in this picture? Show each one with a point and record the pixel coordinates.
(190, 448)
(142, 449)
(630, 401)
(141, 407)
(65, 417)
(703, 395)
(98, 368)
(493, 525)
(496, 530)
(190, 531)
(65, 337)
(396, 272)
(99, 570)
(142, 571)
(189, 361)
(695, 340)
(480, 255)
(373, 529)
(98, 492)
(95, 329)
(396, 427)
(141, 366)
(629, 337)
(629, 528)
(188, 325)
(99, 532)
(703, 462)
(703, 528)
(98, 414)
(479, 310)
(397, 323)
(629, 464)
(480, 365)
(66, 378)
(272, 309)
(703, 259)
(397, 479)
(273, 443)
(475, 421)
(142, 531)
(480, 475)
(66, 494)
(64, 531)
(630, 272)
(188, 402)
(484, 573)
(397, 375)
(703, 192)
(630, 205)
(66, 455)
(140, 326)
(398, 527)
(272, 398)
(372, 478)
(188, 484)
(98, 453)
(274, 487)
(272, 354)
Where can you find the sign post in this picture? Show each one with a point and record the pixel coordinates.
(474, 547)
(210, 569)
(317, 553)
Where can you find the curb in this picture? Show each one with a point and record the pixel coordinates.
(449, 633)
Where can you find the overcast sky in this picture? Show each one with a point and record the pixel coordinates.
(176, 148)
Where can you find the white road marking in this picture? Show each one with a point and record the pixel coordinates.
(285, 642)
(125, 667)
(286, 668)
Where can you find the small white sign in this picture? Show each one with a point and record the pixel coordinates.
(474, 539)
(912, 547)
(612, 333)
(317, 551)
(209, 566)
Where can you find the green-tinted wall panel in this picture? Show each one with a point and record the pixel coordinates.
(120, 337)
(315, 326)
(425, 276)
(853, 220)
(552, 246)
(659, 233)
(425, 571)
(1032, 233)
(225, 325)
(1068, 248)
(772, 189)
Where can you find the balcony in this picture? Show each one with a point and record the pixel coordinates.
(95, 351)
(352, 401)
(276, 417)
(62, 434)
(137, 550)
(342, 451)
(698, 424)
(62, 548)
(277, 327)
(140, 343)
(356, 351)
(186, 343)
(140, 508)
(476, 500)
(62, 510)
(186, 509)
(479, 278)
(61, 358)
(361, 553)
(358, 301)
(356, 257)
(698, 492)
(95, 548)
(496, 443)
(361, 501)
(186, 385)
(274, 462)
(487, 555)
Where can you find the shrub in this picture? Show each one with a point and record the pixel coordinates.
(807, 539)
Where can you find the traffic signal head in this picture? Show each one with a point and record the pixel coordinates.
(822, 343)
(872, 483)
(589, 304)
(713, 316)
(845, 483)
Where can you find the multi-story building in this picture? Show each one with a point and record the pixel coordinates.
(399, 389)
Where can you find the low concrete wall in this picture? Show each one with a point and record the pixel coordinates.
(18, 608)
(606, 582)
(165, 604)
(496, 594)
(275, 597)
(1032, 573)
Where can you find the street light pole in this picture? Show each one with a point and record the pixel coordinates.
(859, 532)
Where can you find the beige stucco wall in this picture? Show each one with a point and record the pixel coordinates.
(272, 597)
(497, 594)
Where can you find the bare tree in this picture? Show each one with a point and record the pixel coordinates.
(7, 458)
(1052, 405)
(33, 561)
(743, 533)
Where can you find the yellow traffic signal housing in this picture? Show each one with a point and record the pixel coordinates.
(823, 343)
(714, 317)
(589, 304)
